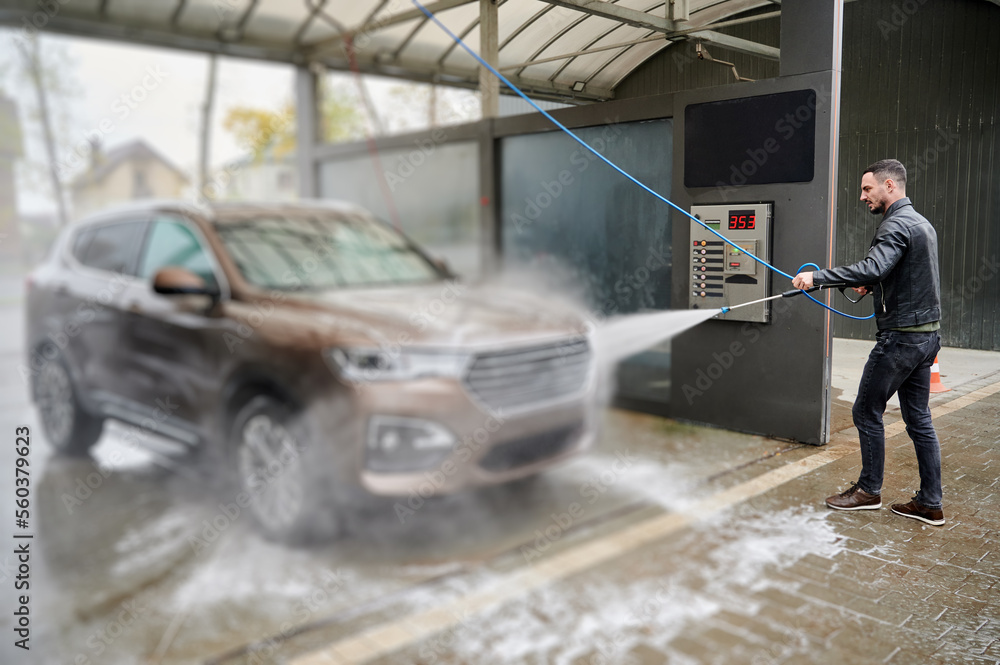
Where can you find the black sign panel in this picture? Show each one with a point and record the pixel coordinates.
(750, 140)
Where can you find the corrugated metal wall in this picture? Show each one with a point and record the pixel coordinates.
(920, 84)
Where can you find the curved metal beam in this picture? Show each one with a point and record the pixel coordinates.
(662, 24)
(551, 40)
(645, 40)
(462, 35)
(588, 45)
(324, 46)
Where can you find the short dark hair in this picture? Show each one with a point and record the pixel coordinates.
(885, 169)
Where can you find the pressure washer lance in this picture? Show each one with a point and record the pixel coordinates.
(787, 294)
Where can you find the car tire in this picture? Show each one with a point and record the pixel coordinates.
(69, 428)
(275, 463)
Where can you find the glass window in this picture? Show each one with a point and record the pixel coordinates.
(568, 217)
(81, 242)
(140, 186)
(322, 252)
(593, 233)
(111, 247)
(173, 243)
(438, 201)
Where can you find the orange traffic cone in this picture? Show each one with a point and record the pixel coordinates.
(936, 385)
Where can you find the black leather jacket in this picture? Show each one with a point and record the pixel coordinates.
(900, 271)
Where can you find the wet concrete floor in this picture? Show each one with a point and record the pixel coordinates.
(668, 543)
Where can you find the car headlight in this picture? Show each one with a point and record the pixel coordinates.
(382, 365)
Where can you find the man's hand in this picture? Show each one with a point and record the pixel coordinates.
(860, 289)
(804, 280)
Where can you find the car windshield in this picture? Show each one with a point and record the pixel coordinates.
(317, 252)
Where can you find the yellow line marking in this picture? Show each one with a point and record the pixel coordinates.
(389, 637)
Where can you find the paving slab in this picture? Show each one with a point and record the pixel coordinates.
(781, 579)
(712, 547)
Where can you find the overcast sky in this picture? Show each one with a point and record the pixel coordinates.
(126, 92)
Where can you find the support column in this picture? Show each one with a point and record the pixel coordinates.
(489, 88)
(489, 85)
(678, 11)
(811, 36)
(491, 242)
(307, 130)
(771, 379)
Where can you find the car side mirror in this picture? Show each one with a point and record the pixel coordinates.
(174, 281)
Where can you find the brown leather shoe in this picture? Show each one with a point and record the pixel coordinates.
(919, 512)
(854, 498)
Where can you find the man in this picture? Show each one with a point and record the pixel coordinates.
(901, 273)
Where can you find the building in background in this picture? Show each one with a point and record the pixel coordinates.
(263, 177)
(127, 172)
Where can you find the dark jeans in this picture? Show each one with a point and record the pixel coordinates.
(899, 363)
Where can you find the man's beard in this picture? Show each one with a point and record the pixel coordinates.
(878, 209)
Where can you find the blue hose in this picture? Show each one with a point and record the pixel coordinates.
(617, 168)
(849, 316)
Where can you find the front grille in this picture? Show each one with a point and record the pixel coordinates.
(527, 451)
(519, 378)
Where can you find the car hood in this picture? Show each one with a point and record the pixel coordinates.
(443, 315)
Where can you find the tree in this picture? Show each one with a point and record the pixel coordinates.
(10, 151)
(40, 74)
(35, 71)
(262, 131)
(265, 131)
(341, 118)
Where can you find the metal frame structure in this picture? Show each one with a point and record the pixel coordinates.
(569, 50)
(572, 50)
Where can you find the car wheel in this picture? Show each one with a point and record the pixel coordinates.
(69, 428)
(274, 464)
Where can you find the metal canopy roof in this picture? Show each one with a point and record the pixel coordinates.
(552, 48)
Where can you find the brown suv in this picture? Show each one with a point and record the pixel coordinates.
(311, 349)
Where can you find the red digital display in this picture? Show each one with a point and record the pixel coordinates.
(742, 219)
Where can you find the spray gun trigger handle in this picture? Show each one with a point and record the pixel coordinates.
(843, 292)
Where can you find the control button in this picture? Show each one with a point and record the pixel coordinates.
(704, 251)
(703, 285)
(702, 294)
(704, 243)
(696, 243)
(703, 268)
(735, 264)
(704, 260)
